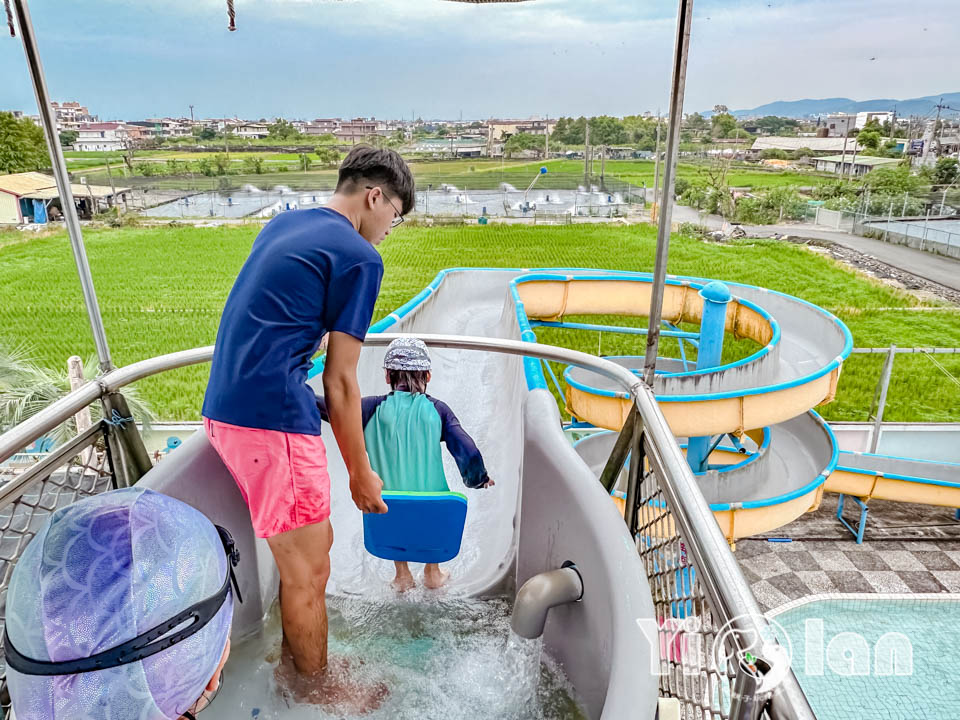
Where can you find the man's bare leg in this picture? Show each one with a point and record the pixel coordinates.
(404, 580)
(303, 559)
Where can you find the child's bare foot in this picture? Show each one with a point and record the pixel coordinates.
(433, 577)
(402, 583)
(404, 580)
(331, 689)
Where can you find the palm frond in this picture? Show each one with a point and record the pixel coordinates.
(26, 388)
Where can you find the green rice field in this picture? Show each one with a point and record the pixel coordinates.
(479, 173)
(162, 289)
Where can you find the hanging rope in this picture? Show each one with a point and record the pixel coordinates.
(6, 5)
(231, 13)
(117, 420)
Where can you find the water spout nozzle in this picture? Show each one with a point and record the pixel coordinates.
(542, 592)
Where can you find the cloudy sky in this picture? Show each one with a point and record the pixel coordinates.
(130, 59)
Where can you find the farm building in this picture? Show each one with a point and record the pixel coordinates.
(816, 144)
(29, 197)
(861, 165)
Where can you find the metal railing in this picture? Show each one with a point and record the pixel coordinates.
(718, 655)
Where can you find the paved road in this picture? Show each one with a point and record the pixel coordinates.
(936, 268)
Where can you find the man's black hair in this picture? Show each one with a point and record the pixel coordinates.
(365, 165)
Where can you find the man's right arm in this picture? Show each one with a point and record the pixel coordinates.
(342, 393)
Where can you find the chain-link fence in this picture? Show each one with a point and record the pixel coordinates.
(719, 657)
(696, 665)
(938, 234)
(77, 469)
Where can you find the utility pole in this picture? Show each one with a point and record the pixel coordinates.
(113, 189)
(936, 123)
(843, 157)
(854, 161)
(926, 145)
(226, 132)
(656, 170)
(586, 157)
(546, 138)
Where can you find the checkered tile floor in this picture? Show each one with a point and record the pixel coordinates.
(907, 549)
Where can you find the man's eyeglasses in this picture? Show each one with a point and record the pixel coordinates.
(399, 218)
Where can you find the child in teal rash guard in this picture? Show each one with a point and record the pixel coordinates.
(403, 431)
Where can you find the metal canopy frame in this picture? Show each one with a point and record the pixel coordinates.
(678, 81)
(49, 123)
(678, 76)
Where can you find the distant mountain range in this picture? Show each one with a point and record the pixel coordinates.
(811, 108)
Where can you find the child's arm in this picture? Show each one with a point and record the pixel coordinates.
(462, 447)
(368, 406)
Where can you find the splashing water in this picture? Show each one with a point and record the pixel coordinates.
(507, 187)
(438, 658)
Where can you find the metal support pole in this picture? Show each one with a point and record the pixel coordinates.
(634, 477)
(926, 222)
(678, 82)
(747, 700)
(48, 121)
(882, 404)
(716, 296)
(128, 455)
(621, 449)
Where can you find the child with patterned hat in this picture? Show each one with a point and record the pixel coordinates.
(403, 431)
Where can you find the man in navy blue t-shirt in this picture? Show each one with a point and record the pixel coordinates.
(310, 272)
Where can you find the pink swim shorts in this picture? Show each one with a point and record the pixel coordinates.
(283, 476)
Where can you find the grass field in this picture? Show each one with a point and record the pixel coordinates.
(162, 289)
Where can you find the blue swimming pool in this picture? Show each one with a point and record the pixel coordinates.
(877, 657)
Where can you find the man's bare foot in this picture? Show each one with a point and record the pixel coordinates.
(434, 578)
(333, 689)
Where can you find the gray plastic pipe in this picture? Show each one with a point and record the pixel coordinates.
(539, 594)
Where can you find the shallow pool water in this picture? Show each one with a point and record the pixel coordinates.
(877, 658)
(439, 659)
